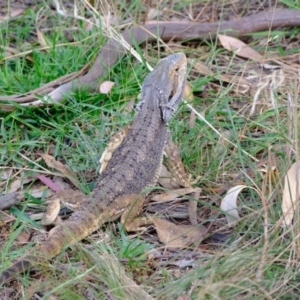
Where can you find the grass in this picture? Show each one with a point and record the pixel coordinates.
(259, 260)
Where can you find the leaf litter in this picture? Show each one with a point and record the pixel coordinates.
(251, 83)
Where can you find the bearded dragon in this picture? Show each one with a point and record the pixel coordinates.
(131, 166)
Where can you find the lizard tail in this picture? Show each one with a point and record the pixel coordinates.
(78, 226)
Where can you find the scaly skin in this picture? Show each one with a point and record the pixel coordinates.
(134, 165)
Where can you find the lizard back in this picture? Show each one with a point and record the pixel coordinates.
(135, 164)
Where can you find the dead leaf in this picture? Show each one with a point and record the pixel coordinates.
(33, 289)
(19, 183)
(61, 183)
(239, 48)
(178, 236)
(5, 174)
(192, 208)
(53, 163)
(192, 119)
(182, 263)
(4, 219)
(49, 183)
(23, 237)
(291, 192)
(39, 193)
(201, 67)
(41, 38)
(270, 67)
(172, 195)
(166, 179)
(8, 51)
(130, 106)
(188, 93)
(106, 86)
(242, 84)
(229, 204)
(153, 13)
(13, 13)
(184, 297)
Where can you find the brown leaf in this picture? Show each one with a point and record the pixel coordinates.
(23, 237)
(63, 185)
(153, 14)
(33, 289)
(192, 208)
(4, 219)
(41, 38)
(242, 84)
(40, 192)
(5, 174)
(201, 67)
(172, 195)
(178, 236)
(106, 86)
(48, 182)
(53, 163)
(184, 297)
(13, 13)
(188, 93)
(239, 48)
(130, 106)
(19, 183)
(166, 179)
(291, 192)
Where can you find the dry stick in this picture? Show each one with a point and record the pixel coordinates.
(8, 200)
(112, 51)
(48, 87)
(261, 266)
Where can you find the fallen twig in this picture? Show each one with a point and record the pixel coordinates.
(112, 51)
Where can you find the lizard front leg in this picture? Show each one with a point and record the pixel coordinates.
(181, 175)
(112, 145)
(175, 164)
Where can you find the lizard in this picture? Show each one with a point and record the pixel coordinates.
(182, 177)
(131, 168)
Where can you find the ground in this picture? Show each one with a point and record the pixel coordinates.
(249, 137)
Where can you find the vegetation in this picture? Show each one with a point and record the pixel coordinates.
(256, 258)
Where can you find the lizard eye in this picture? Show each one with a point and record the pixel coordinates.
(176, 69)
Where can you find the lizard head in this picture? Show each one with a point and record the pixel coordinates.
(172, 90)
(166, 84)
